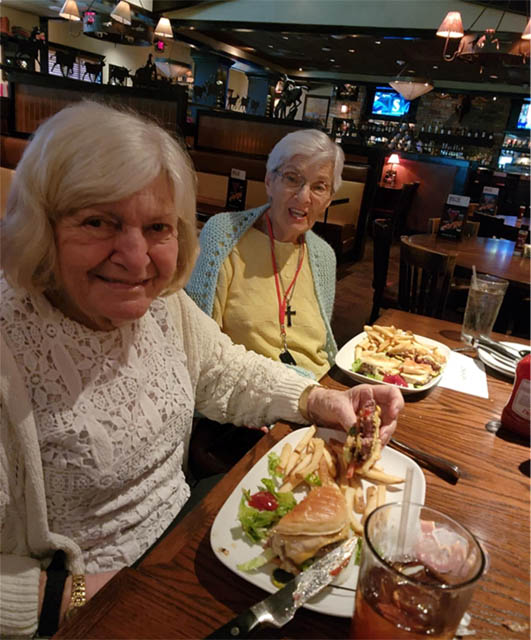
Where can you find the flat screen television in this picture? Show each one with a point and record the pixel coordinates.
(388, 103)
(524, 117)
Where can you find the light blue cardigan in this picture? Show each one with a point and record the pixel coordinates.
(223, 231)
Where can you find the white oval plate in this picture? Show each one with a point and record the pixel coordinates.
(492, 361)
(232, 548)
(345, 359)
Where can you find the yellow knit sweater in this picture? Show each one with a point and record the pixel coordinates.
(246, 305)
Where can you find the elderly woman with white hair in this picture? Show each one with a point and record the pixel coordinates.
(105, 358)
(262, 274)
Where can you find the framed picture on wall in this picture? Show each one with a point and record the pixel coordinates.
(316, 110)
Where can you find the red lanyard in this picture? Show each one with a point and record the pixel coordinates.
(282, 300)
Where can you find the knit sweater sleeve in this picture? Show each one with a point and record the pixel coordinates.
(232, 384)
(19, 596)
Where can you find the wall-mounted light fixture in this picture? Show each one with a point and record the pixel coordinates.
(122, 12)
(70, 11)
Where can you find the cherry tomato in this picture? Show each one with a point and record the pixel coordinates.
(263, 501)
(396, 379)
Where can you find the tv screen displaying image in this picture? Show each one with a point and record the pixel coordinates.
(387, 102)
(524, 118)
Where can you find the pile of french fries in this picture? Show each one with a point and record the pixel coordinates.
(390, 340)
(314, 455)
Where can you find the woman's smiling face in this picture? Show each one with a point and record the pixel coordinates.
(299, 191)
(114, 259)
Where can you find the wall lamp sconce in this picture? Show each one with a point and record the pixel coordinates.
(70, 11)
(122, 12)
(163, 29)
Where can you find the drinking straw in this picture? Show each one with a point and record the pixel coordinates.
(474, 277)
(404, 515)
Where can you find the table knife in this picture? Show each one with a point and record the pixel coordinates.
(279, 608)
(513, 354)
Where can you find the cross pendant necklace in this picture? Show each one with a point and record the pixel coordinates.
(284, 297)
(290, 313)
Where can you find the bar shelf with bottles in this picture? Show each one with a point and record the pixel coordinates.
(514, 153)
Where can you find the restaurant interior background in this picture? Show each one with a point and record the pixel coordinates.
(233, 76)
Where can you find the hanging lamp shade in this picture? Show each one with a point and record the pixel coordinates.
(451, 26)
(70, 11)
(526, 35)
(411, 88)
(163, 29)
(122, 12)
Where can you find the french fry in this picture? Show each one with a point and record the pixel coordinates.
(287, 486)
(303, 461)
(284, 456)
(304, 440)
(381, 492)
(332, 470)
(359, 500)
(292, 461)
(379, 476)
(370, 504)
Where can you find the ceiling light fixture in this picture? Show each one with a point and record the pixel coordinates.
(122, 12)
(163, 29)
(411, 87)
(70, 11)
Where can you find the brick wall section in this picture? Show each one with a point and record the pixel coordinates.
(484, 114)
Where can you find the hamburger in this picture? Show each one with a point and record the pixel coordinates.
(306, 532)
(362, 446)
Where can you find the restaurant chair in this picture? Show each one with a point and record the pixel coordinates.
(489, 226)
(382, 233)
(397, 214)
(425, 278)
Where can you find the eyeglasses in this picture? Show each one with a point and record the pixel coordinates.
(293, 181)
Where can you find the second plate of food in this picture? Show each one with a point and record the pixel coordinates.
(390, 359)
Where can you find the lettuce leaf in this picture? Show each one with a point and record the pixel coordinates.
(257, 523)
(273, 462)
(257, 562)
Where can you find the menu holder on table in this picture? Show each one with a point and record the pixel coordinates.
(488, 203)
(237, 190)
(453, 217)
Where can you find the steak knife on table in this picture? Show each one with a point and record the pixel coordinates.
(279, 608)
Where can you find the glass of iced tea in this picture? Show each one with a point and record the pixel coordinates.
(418, 571)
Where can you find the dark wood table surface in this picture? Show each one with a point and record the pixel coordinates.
(490, 255)
(180, 590)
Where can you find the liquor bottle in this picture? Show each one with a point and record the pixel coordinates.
(516, 414)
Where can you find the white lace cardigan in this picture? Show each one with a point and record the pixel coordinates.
(95, 428)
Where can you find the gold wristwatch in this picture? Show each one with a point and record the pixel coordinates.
(79, 595)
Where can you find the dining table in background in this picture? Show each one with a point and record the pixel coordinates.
(489, 255)
(511, 221)
(181, 590)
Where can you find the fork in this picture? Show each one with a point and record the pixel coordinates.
(509, 352)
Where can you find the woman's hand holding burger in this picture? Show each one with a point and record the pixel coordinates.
(338, 409)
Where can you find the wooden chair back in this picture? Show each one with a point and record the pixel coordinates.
(382, 233)
(489, 226)
(425, 278)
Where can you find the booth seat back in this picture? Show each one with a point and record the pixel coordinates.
(11, 150)
(213, 170)
(6, 176)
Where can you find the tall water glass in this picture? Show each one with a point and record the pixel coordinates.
(485, 297)
(417, 574)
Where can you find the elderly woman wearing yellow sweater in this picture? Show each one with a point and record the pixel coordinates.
(262, 274)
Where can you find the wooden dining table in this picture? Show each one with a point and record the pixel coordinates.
(181, 590)
(489, 255)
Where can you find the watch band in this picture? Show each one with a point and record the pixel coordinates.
(79, 595)
(53, 594)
